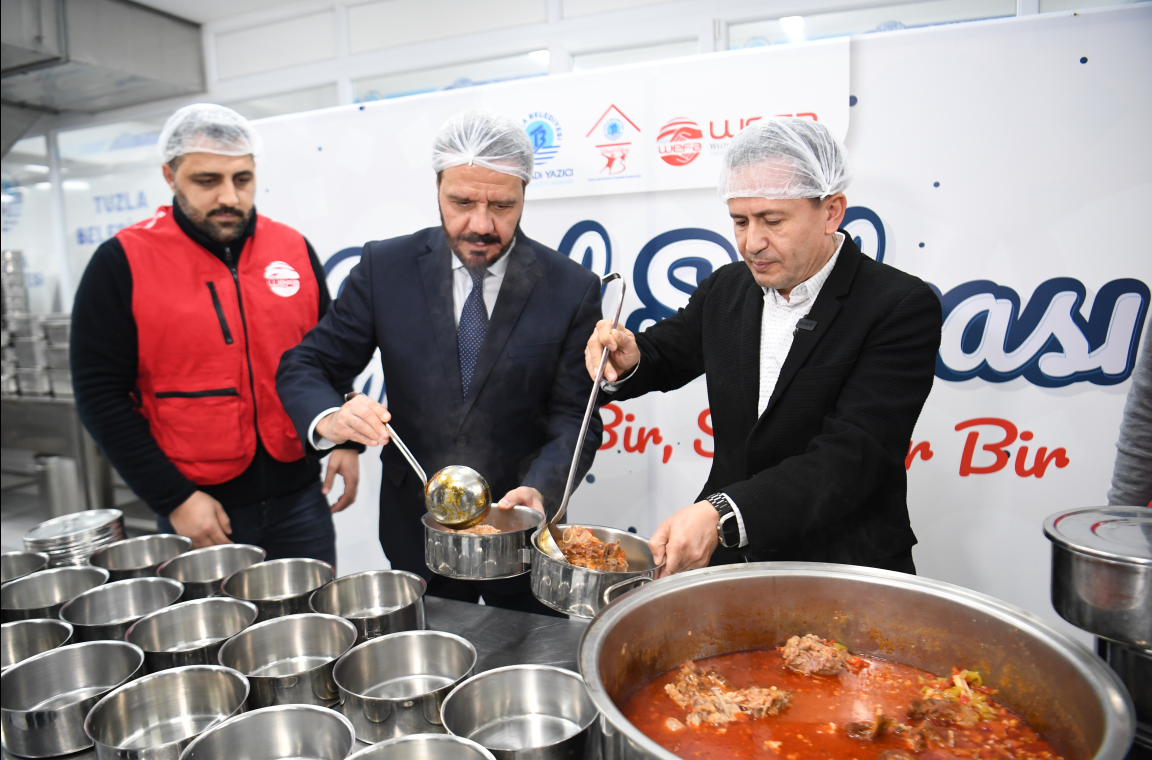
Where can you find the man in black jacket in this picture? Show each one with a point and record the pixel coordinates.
(177, 328)
(818, 361)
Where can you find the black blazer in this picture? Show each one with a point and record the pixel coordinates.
(820, 475)
(528, 393)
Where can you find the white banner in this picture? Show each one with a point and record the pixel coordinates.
(1005, 162)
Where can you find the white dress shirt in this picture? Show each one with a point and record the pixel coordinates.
(777, 329)
(461, 289)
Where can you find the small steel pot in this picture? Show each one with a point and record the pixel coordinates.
(580, 591)
(42, 594)
(483, 557)
(157, 716)
(523, 711)
(203, 570)
(44, 700)
(15, 565)
(377, 602)
(108, 611)
(298, 731)
(1102, 571)
(425, 747)
(27, 638)
(289, 660)
(393, 685)
(189, 633)
(280, 587)
(139, 557)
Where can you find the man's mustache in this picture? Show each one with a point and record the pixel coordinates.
(221, 210)
(474, 237)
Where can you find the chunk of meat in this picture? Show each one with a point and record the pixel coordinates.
(943, 711)
(583, 549)
(870, 730)
(709, 698)
(674, 725)
(812, 655)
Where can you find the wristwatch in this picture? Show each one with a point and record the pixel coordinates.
(728, 529)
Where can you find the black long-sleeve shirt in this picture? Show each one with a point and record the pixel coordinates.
(104, 353)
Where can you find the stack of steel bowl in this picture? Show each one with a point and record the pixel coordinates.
(139, 557)
(72, 539)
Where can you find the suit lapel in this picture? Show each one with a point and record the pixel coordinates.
(751, 319)
(823, 313)
(519, 280)
(436, 273)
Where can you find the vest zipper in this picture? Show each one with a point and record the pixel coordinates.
(244, 324)
(220, 314)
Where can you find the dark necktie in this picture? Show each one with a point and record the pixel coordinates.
(473, 325)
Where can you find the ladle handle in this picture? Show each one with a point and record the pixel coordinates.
(591, 403)
(407, 454)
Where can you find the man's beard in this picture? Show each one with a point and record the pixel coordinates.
(210, 229)
(473, 261)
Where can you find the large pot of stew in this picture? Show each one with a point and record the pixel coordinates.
(798, 661)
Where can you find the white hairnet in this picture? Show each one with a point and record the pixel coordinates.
(784, 157)
(207, 128)
(484, 138)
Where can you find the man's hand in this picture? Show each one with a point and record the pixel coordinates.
(686, 539)
(202, 519)
(361, 420)
(346, 464)
(623, 353)
(524, 496)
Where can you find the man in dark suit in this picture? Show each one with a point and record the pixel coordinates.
(480, 331)
(818, 361)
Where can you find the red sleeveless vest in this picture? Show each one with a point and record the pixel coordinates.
(210, 340)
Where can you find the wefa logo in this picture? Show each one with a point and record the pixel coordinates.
(613, 133)
(679, 141)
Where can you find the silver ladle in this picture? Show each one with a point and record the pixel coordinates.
(458, 497)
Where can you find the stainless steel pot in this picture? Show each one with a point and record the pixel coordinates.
(189, 633)
(289, 660)
(288, 731)
(483, 557)
(203, 570)
(280, 587)
(1063, 690)
(108, 611)
(393, 685)
(15, 565)
(139, 557)
(44, 700)
(425, 747)
(157, 716)
(1102, 571)
(42, 594)
(378, 602)
(27, 638)
(580, 591)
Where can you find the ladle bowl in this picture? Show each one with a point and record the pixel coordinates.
(458, 497)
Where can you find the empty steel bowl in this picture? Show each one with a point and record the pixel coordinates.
(44, 700)
(157, 716)
(15, 565)
(394, 685)
(289, 660)
(279, 587)
(27, 638)
(189, 633)
(139, 557)
(203, 570)
(523, 708)
(377, 602)
(42, 594)
(287, 731)
(425, 747)
(108, 611)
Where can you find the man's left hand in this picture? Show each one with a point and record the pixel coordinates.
(523, 496)
(346, 464)
(686, 540)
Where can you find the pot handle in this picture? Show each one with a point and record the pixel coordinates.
(616, 589)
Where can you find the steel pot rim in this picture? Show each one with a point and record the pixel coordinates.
(257, 627)
(468, 674)
(73, 647)
(26, 553)
(54, 621)
(56, 571)
(612, 574)
(1118, 709)
(364, 752)
(103, 551)
(206, 550)
(184, 605)
(276, 563)
(116, 585)
(361, 574)
(188, 751)
(1058, 539)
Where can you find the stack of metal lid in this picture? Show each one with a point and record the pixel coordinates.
(71, 539)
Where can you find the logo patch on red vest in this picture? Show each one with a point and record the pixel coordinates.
(282, 279)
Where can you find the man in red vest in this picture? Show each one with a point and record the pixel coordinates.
(177, 329)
